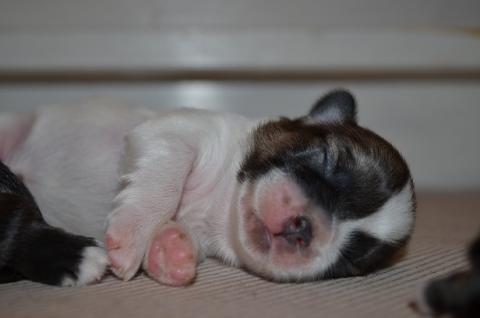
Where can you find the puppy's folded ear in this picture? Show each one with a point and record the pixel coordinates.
(336, 107)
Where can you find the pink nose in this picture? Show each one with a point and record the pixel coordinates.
(297, 231)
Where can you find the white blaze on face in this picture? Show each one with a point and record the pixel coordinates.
(392, 223)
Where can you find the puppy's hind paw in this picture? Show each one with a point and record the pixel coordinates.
(52, 256)
(90, 268)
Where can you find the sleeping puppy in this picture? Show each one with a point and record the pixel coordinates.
(287, 199)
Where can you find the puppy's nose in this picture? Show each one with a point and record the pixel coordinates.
(298, 231)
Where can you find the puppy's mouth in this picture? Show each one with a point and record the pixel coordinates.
(294, 236)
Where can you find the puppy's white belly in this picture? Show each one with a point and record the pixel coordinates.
(71, 162)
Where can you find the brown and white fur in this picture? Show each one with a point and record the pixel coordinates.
(287, 199)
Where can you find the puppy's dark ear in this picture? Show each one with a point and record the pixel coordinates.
(336, 107)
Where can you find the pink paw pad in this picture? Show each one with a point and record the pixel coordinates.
(171, 258)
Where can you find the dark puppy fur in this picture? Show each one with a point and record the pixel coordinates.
(29, 247)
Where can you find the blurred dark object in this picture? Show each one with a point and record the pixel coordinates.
(457, 295)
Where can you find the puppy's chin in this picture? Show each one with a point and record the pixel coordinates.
(272, 257)
(264, 211)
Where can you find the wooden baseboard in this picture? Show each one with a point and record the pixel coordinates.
(257, 54)
(240, 75)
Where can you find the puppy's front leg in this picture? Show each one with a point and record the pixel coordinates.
(158, 160)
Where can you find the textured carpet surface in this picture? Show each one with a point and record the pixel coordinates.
(445, 223)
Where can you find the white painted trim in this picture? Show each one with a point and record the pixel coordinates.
(260, 49)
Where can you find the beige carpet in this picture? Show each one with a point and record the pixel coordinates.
(444, 224)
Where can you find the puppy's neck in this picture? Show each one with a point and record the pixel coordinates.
(211, 195)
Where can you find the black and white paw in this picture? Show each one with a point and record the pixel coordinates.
(33, 250)
(90, 269)
(52, 256)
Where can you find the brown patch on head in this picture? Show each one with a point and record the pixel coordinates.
(347, 169)
(274, 138)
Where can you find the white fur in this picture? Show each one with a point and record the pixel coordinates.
(180, 165)
(71, 161)
(392, 222)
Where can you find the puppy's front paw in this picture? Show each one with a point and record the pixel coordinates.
(125, 250)
(171, 257)
(126, 242)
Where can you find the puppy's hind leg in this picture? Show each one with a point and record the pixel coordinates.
(8, 275)
(31, 249)
(14, 128)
